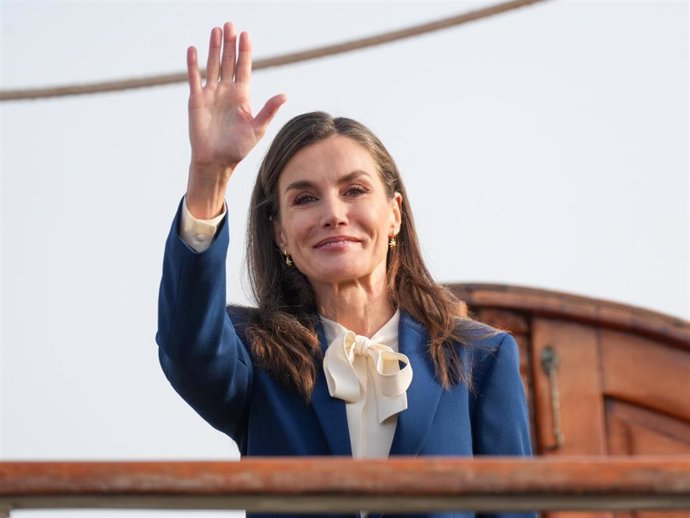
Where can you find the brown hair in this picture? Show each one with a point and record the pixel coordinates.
(282, 332)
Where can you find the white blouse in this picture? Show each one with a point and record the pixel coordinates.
(366, 373)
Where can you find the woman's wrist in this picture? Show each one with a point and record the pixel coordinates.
(206, 189)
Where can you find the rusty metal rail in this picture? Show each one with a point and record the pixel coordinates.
(308, 484)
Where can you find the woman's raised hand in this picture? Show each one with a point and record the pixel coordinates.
(222, 129)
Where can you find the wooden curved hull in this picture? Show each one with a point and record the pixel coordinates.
(622, 381)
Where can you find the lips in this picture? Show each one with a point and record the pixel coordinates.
(335, 241)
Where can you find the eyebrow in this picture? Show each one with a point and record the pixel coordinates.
(307, 184)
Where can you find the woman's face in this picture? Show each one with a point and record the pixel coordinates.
(335, 217)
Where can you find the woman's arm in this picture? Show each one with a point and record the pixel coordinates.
(200, 351)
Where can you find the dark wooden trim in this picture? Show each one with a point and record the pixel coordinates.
(336, 484)
(576, 308)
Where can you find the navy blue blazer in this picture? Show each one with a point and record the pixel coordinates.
(205, 357)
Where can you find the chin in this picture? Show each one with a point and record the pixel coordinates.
(339, 272)
(334, 276)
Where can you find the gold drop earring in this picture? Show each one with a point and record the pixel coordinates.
(288, 259)
(392, 243)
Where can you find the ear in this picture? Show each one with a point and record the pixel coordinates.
(396, 213)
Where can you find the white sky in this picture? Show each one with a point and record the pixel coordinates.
(547, 147)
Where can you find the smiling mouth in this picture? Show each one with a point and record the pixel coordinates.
(335, 242)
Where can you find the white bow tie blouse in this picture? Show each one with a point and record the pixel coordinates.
(367, 374)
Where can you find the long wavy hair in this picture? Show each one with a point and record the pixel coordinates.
(282, 331)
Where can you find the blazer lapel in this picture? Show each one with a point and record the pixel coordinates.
(330, 411)
(424, 392)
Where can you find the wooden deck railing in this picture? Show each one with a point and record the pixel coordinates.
(337, 484)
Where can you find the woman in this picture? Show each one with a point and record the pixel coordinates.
(354, 349)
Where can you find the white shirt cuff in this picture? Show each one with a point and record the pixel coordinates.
(198, 233)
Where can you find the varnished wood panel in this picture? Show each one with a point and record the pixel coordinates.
(574, 308)
(579, 387)
(508, 320)
(647, 373)
(639, 431)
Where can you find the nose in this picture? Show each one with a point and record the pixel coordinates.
(334, 212)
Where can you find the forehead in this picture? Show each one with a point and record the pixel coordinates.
(328, 159)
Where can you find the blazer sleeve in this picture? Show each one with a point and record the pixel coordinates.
(500, 423)
(200, 351)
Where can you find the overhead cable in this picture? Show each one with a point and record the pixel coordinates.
(275, 61)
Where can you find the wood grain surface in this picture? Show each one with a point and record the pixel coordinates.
(335, 484)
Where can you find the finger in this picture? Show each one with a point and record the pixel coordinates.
(227, 64)
(243, 71)
(265, 116)
(213, 63)
(193, 75)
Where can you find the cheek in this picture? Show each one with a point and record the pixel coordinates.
(297, 230)
(386, 219)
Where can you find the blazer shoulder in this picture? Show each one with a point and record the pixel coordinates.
(482, 346)
(495, 356)
(241, 316)
(477, 337)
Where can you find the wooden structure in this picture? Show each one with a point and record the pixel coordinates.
(601, 378)
(339, 485)
(608, 388)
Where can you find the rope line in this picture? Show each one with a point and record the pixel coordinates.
(275, 61)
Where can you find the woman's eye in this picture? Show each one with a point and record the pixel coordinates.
(302, 199)
(355, 190)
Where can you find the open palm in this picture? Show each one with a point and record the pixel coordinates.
(222, 129)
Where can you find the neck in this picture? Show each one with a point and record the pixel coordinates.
(363, 310)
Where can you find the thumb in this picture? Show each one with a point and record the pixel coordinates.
(265, 116)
